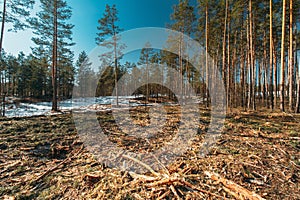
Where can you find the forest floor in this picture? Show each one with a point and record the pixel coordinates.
(256, 157)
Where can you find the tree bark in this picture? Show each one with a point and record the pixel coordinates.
(1, 44)
(116, 71)
(282, 63)
(252, 61)
(275, 77)
(249, 68)
(271, 59)
(224, 45)
(54, 59)
(228, 87)
(206, 54)
(291, 66)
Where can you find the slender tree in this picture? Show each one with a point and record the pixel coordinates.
(282, 58)
(184, 22)
(271, 56)
(146, 54)
(55, 35)
(108, 28)
(224, 45)
(291, 59)
(13, 12)
(84, 74)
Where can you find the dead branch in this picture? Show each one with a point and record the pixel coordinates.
(243, 193)
(57, 166)
(142, 164)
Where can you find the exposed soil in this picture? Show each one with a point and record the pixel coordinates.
(256, 157)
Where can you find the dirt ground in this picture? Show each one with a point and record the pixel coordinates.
(256, 157)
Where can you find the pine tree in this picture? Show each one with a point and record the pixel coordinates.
(13, 12)
(184, 21)
(55, 35)
(108, 28)
(85, 76)
(282, 58)
(145, 56)
(291, 58)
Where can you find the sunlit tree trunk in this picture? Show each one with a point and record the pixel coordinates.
(252, 60)
(291, 66)
(54, 59)
(224, 44)
(206, 55)
(228, 83)
(275, 76)
(249, 68)
(271, 58)
(1, 43)
(282, 58)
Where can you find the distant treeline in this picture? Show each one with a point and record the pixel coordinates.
(253, 45)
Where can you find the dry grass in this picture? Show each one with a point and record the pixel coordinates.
(258, 152)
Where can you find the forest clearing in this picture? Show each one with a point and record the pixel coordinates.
(256, 157)
(201, 97)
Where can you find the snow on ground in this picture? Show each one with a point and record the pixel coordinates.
(76, 105)
(80, 104)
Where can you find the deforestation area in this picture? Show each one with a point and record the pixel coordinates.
(158, 100)
(256, 157)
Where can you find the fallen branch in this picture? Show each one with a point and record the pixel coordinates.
(241, 193)
(10, 166)
(57, 166)
(142, 164)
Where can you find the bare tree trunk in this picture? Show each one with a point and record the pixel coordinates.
(252, 60)
(275, 77)
(297, 109)
(206, 55)
(259, 90)
(291, 66)
(181, 65)
(265, 69)
(243, 79)
(116, 70)
(249, 68)
(1, 44)
(233, 73)
(224, 45)
(298, 95)
(282, 79)
(228, 87)
(271, 58)
(54, 59)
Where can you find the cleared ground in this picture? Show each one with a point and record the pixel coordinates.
(257, 156)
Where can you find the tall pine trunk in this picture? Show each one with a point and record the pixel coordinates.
(282, 58)
(224, 45)
(228, 65)
(271, 59)
(2, 89)
(291, 66)
(116, 70)
(252, 60)
(206, 55)
(54, 59)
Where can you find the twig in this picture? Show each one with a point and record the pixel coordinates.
(142, 164)
(57, 166)
(164, 195)
(144, 177)
(242, 192)
(164, 181)
(10, 166)
(198, 189)
(175, 192)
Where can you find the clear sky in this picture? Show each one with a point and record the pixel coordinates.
(132, 14)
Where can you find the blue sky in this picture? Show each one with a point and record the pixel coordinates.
(132, 14)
